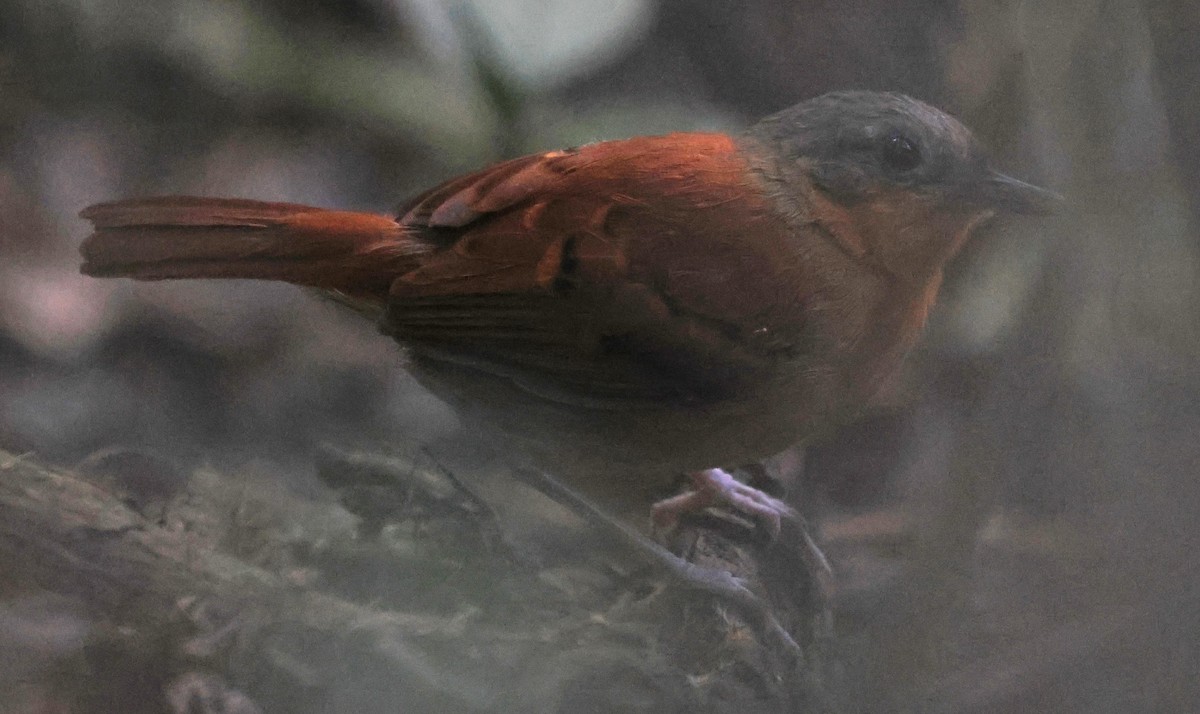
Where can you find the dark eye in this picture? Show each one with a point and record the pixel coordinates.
(900, 153)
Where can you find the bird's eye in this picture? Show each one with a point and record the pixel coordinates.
(900, 154)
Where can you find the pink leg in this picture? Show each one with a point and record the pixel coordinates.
(713, 487)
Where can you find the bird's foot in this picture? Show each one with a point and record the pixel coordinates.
(716, 487)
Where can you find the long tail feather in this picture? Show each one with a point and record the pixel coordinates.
(189, 237)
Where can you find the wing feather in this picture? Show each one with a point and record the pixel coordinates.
(588, 275)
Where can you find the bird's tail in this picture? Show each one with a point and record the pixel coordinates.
(169, 237)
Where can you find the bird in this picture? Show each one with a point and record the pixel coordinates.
(640, 310)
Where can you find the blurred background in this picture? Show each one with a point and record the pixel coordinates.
(1015, 530)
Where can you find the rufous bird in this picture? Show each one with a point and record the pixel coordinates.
(629, 311)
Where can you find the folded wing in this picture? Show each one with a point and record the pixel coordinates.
(619, 273)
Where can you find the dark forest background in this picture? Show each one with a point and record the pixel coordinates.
(1016, 530)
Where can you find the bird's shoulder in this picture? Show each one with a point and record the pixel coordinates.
(684, 214)
(626, 171)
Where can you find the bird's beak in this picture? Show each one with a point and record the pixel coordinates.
(1009, 195)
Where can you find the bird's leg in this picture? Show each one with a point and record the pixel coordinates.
(715, 486)
(718, 583)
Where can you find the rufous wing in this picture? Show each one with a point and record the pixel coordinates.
(623, 272)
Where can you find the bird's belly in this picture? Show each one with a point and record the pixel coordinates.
(637, 438)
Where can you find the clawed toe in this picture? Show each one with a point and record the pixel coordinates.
(715, 487)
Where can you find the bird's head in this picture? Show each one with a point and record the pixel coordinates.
(898, 183)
